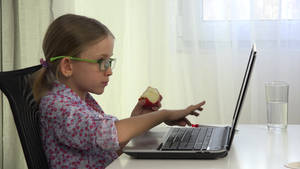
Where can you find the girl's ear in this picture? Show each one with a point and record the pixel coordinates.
(66, 68)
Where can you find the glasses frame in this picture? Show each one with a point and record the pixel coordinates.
(107, 62)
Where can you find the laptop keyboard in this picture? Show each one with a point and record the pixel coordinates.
(188, 138)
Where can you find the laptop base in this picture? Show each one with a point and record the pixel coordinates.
(181, 155)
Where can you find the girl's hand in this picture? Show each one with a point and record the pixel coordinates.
(143, 120)
(180, 122)
(178, 117)
(139, 109)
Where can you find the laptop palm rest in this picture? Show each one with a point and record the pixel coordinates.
(148, 141)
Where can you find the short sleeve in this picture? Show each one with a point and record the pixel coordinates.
(82, 128)
(106, 134)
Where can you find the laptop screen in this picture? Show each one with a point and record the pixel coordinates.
(242, 93)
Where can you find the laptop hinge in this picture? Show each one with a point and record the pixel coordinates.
(227, 141)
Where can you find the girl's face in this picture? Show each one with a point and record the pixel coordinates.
(87, 77)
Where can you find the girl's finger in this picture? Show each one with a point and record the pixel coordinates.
(159, 105)
(187, 121)
(194, 113)
(155, 108)
(195, 107)
(201, 104)
(200, 109)
(141, 102)
(180, 123)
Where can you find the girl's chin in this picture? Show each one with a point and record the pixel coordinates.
(98, 92)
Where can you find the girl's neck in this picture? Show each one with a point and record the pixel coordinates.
(81, 94)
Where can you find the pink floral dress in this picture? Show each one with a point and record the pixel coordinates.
(76, 133)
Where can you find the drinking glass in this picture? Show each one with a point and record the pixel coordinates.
(277, 93)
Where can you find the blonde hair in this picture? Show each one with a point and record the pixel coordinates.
(68, 35)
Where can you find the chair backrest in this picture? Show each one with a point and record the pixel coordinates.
(17, 86)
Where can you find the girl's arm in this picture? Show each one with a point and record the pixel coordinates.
(133, 126)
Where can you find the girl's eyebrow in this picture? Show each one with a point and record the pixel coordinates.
(103, 55)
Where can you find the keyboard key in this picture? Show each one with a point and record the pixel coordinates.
(185, 139)
(193, 138)
(177, 139)
(200, 139)
(188, 139)
(207, 139)
(170, 139)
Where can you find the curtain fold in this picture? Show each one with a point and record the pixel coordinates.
(24, 25)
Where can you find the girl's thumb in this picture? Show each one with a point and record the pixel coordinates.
(141, 103)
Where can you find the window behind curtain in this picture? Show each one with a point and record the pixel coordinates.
(251, 9)
(209, 22)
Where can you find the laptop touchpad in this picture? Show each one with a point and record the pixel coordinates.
(148, 140)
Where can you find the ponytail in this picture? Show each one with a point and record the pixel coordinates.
(42, 83)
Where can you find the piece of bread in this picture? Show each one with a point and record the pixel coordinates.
(152, 97)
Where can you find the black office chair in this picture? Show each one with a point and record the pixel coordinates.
(17, 86)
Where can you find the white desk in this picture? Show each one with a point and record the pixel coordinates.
(254, 147)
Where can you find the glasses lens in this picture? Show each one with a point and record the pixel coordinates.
(112, 63)
(106, 64)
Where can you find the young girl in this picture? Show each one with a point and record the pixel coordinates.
(75, 131)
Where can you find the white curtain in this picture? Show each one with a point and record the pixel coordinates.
(192, 52)
(221, 39)
(24, 24)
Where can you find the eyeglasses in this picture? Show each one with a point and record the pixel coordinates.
(104, 64)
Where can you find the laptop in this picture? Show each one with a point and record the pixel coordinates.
(204, 142)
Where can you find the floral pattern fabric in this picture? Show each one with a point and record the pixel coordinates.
(76, 133)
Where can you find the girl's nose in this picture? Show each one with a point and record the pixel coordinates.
(108, 72)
